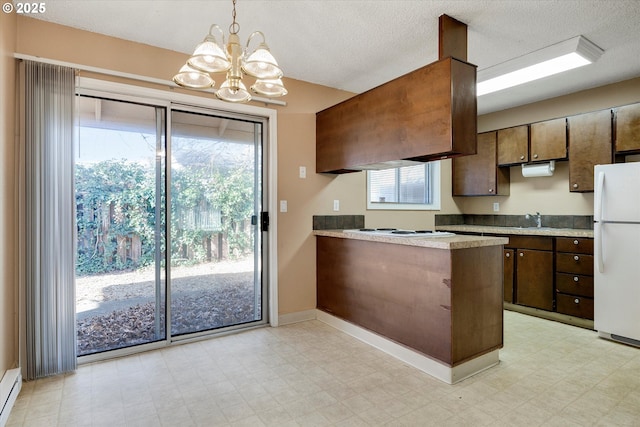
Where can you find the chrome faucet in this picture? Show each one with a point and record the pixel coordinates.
(538, 219)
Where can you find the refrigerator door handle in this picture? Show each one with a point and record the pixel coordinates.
(598, 201)
(597, 234)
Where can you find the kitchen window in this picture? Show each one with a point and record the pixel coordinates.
(415, 187)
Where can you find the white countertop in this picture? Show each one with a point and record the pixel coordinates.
(453, 242)
(529, 231)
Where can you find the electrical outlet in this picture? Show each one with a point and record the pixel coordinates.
(283, 205)
(303, 172)
(496, 207)
(336, 205)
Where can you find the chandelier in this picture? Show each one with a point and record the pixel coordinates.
(209, 57)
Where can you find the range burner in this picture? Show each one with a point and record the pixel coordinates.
(395, 232)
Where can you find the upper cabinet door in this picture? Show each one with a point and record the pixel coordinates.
(513, 145)
(478, 175)
(627, 128)
(549, 140)
(589, 145)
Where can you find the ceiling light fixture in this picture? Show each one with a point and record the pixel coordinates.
(208, 57)
(554, 59)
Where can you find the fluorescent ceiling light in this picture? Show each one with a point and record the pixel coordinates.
(563, 56)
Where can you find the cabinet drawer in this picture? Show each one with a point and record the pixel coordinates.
(575, 306)
(579, 245)
(574, 284)
(530, 242)
(574, 263)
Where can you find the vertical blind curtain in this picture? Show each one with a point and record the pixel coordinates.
(49, 238)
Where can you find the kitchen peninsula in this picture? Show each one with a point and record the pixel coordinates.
(438, 300)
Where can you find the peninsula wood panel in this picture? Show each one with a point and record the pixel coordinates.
(426, 114)
(444, 304)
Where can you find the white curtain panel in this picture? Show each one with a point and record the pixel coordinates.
(50, 342)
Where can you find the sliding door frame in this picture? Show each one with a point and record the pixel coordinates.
(169, 99)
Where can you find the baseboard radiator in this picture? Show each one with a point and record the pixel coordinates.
(10, 386)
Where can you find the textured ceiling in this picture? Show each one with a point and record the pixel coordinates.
(357, 45)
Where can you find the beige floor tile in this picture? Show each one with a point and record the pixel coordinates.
(309, 374)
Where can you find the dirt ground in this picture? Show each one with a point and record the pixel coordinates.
(119, 310)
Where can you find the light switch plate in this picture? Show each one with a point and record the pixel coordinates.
(496, 207)
(336, 205)
(283, 205)
(303, 172)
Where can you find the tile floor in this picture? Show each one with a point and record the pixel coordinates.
(310, 374)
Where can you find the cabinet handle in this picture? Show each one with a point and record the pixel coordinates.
(577, 300)
(535, 156)
(491, 190)
(521, 254)
(576, 258)
(521, 157)
(576, 278)
(508, 255)
(575, 185)
(575, 242)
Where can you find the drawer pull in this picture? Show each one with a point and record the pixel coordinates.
(576, 258)
(576, 278)
(575, 242)
(577, 300)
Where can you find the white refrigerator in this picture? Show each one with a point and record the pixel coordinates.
(617, 252)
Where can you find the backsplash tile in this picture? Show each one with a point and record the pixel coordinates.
(337, 222)
(582, 222)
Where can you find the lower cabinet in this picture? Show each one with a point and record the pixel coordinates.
(532, 264)
(534, 278)
(550, 273)
(508, 270)
(574, 277)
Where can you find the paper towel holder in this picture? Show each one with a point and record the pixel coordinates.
(538, 169)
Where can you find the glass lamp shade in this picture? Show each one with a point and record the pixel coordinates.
(269, 87)
(262, 65)
(209, 57)
(233, 90)
(192, 78)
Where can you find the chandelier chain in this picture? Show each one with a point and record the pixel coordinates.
(234, 28)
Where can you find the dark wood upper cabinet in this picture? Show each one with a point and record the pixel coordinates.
(478, 175)
(513, 145)
(627, 128)
(428, 114)
(548, 140)
(589, 145)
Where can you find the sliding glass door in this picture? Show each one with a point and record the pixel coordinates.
(166, 249)
(120, 205)
(216, 200)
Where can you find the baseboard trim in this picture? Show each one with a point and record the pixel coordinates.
(550, 315)
(10, 387)
(445, 373)
(298, 316)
